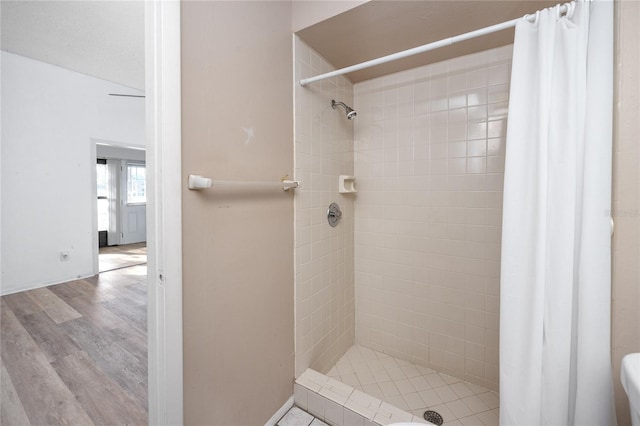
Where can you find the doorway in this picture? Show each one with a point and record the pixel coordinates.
(162, 64)
(121, 191)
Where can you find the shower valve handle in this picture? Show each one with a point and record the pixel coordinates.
(334, 214)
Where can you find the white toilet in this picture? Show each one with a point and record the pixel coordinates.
(630, 377)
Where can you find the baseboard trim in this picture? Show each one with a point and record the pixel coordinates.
(280, 413)
(34, 286)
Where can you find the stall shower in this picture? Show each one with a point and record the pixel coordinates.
(401, 300)
(427, 230)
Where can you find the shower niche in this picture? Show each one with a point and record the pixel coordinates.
(347, 184)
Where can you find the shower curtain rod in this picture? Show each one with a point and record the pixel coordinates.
(426, 47)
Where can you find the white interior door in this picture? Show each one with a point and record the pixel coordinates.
(133, 202)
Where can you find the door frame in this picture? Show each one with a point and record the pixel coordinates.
(93, 155)
(164, 211)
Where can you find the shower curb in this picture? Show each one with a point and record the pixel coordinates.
(339, 404)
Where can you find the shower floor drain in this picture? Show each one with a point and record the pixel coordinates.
(433, 417)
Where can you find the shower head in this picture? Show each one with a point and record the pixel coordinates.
(351, 113)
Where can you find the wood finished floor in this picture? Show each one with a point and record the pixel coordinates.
(116, 257)
(76, 353)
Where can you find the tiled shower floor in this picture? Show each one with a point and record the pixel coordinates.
(415, 389)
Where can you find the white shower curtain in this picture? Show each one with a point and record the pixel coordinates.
(555, 366)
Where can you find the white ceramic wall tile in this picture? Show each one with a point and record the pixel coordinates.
(353, 419)
(334, 413)
(324, 289)
(316, 404)
(429, 159)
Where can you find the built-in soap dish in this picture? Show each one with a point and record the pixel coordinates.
(346, 184)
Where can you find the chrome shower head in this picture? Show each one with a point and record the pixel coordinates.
(351, 113)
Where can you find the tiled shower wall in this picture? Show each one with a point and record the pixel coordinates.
(429, 159)
(324, 289)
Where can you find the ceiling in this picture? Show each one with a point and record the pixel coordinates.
(381, 27)
(104, 39)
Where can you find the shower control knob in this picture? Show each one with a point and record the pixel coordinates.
(334, 214)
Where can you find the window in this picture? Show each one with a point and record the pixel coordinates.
(103, 194)
(136, 184)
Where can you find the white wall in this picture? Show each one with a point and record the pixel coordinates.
(50, 116)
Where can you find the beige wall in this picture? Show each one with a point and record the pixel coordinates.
(237, 124)
(309, 12)
(626, 197)
(325, 325)
(429, 156)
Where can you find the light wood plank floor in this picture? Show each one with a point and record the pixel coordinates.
(76, 353)
(116, 257)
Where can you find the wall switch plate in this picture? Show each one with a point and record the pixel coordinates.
(64, 256)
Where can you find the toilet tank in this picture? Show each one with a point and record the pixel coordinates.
(630, 377)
